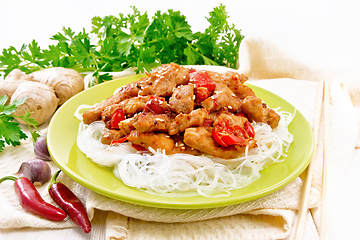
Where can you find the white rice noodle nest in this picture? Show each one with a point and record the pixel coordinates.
(179, 174)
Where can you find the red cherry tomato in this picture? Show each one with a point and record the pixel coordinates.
(202, 79)
(240, 114)
(226, 136)
(218, 133)
(202, 93)
(156, 105)
(231, 139)
(116, 118)
(249, 129)
(238, 131)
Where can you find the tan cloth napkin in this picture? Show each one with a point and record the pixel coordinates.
(270, 217)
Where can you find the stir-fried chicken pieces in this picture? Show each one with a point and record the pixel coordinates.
(182, 110)
(184, 121)
(235, 82)
(257, 111)
(163, 81)
(154, 140)
(130, 106)
(127, 91)
(182, 99)
(152, 123)
(223, 98)
(202, 140)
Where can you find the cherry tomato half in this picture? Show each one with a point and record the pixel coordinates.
(227, 136)
(202, 79)
(116, 118)
(202, 93)
(218, 133)
(240, 114)
(156, 105)
(249, 129)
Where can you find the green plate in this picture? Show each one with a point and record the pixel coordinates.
(61, 139)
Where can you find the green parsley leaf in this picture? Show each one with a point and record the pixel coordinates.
(10, 131)
(192, 56)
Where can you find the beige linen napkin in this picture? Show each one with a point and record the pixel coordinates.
(270, 217)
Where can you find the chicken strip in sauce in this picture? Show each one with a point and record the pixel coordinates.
(184, 121)
(156, 141)
(201, 139)
(127, 91)
(164, 80)
(125, 127)
(152, 123)
(182, 99)
(257, 111)
(235, 82)
(223, 98)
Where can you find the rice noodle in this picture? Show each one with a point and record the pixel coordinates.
(179, 174)
(80, 109)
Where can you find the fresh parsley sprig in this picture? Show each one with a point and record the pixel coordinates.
(10, 131)
(116, 43)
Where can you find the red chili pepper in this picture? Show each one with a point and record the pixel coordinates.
(155, 104)
(31, 200)
(121, 140)
(139, 148)
(202, 79)
(116, 118)
(70, 203)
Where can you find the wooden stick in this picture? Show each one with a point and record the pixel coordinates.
(305, 193)
(324, 223)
